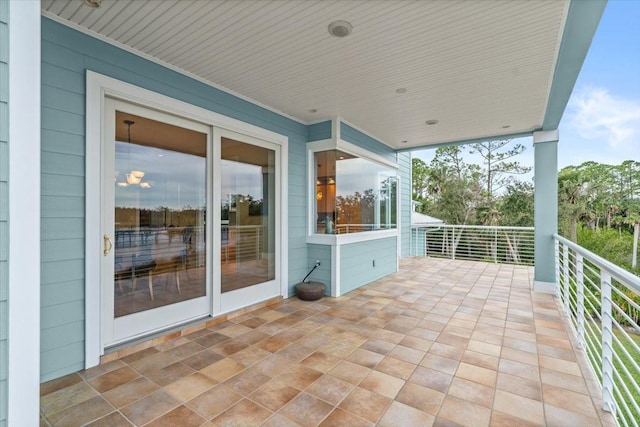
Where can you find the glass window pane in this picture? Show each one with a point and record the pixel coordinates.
(248, 215)
(160, 211)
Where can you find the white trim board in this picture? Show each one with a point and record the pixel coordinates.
(23, 389)
(97, 88)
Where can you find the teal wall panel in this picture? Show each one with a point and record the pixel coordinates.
(357, 262)
(66, 56)
(319, 131)
(4, 205)
(404, 160)
(321, 274)
(354, 136)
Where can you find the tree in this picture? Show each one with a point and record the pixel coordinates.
(498, 170)
(516, 205)
(571, 201)
(419, 178)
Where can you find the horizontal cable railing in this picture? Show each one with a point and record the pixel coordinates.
(603, 303)
(506, 245)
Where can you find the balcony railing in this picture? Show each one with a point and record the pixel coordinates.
(506, 245)
(602, 301)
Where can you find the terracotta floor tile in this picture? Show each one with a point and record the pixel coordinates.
(274, 395)
(114, 419)
(400, 414)
(229, 347)
(560, 365)
(276, 420)
(273, 365)
(381, 383)
(472, 392)
(223, 369)
(214, 401)
(296, 353)
(340, 418)
(407, 354)
(130, 392)
(378, 346)
(65, 398)
(153, 362)
(185, 350)
(170, 373)
(113, 379)
(440, 363)
(330, 389)
(320, 361)
(299, 376)
(212, 339)
(464, 413)
(60, 383)
(519, 369)
(566, 381)
(306, 410)
(249, 356)
(446, 350)
(431, 378)
(519, 356)
(181, 416)
(243, 413)
(520, 386)
(519, 406)
(422, 398)
(273, 344)
(484, 348)
(396, 367)
(570, 400)
(246, 382)
(150, 407)
(480, 359)
(560, 417)
(366, 404)
(500, 419)
(477, 374)
(82, 413)
(189, 387)
(349, 371)
(366, 358)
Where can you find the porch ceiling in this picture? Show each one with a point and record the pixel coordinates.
(481, 68)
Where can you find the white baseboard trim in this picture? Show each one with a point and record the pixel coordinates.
(545, 287)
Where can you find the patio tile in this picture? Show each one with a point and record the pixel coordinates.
(66, 397)
(113, 379)
(480, 359)
(114, 419)
(243, 413)
(349, 372)
(560, 365)
(366, 358)
(182, 416)
(431, 378)
(520, 386)
(500, 419)
(560, 417)
(330, 389)
(306, 410)
(383, 384)
(214, 401)
(320, 361)
(477, 374)
(422, 398)
(339, 418)
(189, 387)
(464, 413)
(299, 376)
(223, 369)
(81, 413)
(472, 392)
(150, 407)
(130, 392)
(440, 363)
(519, 406)
(400, 414)
(519, 369)
(276, 420)
(247, 381)
(60, 383)
(171, 373)
(566, 381)
(366, 404)
(570, 400)
(274, 395)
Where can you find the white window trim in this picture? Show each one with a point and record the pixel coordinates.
(98, 87)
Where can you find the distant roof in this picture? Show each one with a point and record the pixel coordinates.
(422, 219)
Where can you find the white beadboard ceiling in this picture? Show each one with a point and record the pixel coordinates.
(475, 66)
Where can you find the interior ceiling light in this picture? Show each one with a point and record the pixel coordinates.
(340, 28)
(404, 141)
(135, 176)
(313, 110)
(93, 3)
(506, 126)
(431, 122)
(401, 90)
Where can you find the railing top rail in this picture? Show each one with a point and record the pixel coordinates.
(480, 227)
(628, 279)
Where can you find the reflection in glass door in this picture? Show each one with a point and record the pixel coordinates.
(247, 215)
(160, 199)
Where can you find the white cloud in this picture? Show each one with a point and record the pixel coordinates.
(595, 114)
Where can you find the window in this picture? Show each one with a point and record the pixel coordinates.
(353, 194)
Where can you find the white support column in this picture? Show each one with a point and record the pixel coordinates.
(24, 213)
(545, 145)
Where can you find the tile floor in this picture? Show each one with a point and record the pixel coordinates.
(441, 342)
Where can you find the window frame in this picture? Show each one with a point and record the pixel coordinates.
(354, 150)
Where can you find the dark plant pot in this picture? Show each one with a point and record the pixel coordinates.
(310, 291)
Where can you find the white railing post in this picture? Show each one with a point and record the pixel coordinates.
(608, 403)
(565, 274)
(559, 291)
(495, 246)
(580, 299)
(453, 242)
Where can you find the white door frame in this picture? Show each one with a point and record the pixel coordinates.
(98, 87)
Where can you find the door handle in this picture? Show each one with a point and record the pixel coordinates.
(107, 245)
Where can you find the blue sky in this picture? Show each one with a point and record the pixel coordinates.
(602, 120)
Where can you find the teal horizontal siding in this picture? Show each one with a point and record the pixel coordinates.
(66, 56)
(354, 136)
(356, 262)
(4, 208)
(319, 131)
(322, 274)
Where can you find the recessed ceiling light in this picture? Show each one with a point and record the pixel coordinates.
(506, 126)
(93, 3)
(431, 122)
(401, 90)
(404, 141)
(340, 28)
(313, 110)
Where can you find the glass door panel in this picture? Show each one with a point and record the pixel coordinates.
(160, 199)
(248, 244)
